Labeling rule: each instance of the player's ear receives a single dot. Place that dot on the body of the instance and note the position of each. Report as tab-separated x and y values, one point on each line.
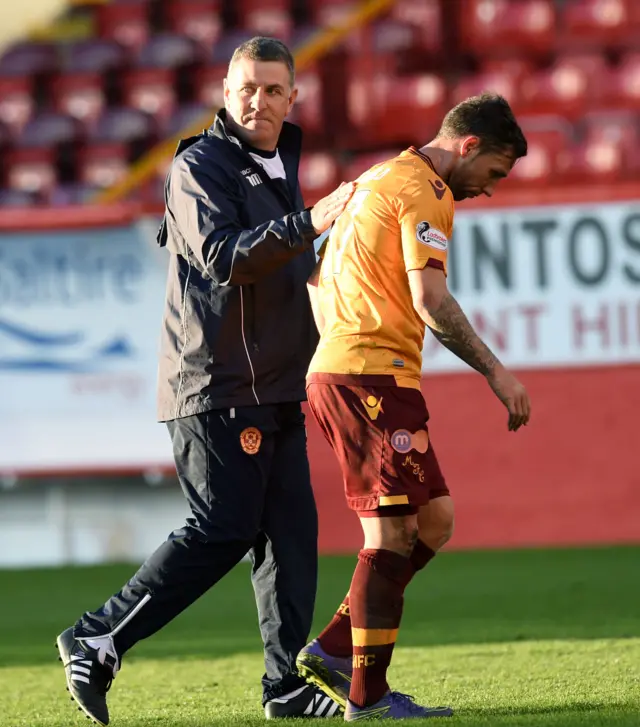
469	145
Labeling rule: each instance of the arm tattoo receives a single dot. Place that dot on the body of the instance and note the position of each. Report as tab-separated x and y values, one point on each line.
453	330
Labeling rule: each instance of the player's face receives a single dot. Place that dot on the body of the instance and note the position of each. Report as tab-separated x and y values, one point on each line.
477	172
258	96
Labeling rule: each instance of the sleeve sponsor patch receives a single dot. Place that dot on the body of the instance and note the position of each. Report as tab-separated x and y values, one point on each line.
431	236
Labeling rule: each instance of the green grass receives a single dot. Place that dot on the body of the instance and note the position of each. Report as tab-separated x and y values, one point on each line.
539	638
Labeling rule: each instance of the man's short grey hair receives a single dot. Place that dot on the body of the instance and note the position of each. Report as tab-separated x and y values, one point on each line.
266	49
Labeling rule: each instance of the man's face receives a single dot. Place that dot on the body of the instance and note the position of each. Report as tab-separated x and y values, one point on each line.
258	96
476	172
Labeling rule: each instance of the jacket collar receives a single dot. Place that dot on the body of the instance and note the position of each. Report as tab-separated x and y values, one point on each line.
290	139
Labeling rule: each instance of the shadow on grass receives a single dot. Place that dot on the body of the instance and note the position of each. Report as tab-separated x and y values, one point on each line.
463	597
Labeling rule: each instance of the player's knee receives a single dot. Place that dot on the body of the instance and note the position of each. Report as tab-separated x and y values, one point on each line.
446	531
436	524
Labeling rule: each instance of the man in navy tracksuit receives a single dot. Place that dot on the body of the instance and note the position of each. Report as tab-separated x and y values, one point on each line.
238	335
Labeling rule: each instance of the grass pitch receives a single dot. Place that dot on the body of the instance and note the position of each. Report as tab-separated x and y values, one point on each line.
540	638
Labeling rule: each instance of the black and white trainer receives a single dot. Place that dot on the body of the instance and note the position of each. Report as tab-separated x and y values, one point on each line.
308	701
90	665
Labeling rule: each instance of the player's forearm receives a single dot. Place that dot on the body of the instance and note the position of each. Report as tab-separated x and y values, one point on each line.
452	328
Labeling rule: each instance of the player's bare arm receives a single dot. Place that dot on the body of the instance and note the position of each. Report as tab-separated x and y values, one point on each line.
312	287
443	315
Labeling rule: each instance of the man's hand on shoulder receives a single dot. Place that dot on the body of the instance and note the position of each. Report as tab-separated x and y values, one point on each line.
327	209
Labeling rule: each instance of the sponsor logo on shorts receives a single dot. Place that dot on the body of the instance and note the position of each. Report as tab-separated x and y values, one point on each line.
250	440
431	236
372	406
404	441
415	468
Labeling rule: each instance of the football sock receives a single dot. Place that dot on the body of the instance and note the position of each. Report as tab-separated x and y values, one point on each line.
376	601
336	637
421	555
335	640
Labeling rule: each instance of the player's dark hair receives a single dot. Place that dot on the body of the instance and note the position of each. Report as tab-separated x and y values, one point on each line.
261	48
490	118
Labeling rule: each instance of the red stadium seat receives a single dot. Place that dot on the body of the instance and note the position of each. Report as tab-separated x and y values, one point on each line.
623	92
547	138
151	90
319	175
402	44
574	85
186	117
199	20
619	126
384	36
608	151
518	67
5	137
397	110
29	59
506	27
594	23
101	165
64	195
309	107
266	17
93	56
17	103
125	22
208	86
331	12
600	161
50	130
425	16
124	125
505	83
17	198
166	50
223	50
31	170
79	95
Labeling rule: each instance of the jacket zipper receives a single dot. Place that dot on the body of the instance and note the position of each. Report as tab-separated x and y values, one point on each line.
246	347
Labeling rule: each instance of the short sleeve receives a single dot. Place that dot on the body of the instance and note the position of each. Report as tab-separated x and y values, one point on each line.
425	215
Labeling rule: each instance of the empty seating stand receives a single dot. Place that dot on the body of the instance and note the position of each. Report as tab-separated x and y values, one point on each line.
75	114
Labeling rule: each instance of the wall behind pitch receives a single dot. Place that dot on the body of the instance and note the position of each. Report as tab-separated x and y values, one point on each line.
555	290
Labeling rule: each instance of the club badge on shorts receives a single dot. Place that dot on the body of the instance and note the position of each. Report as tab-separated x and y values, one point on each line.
404	441
250	440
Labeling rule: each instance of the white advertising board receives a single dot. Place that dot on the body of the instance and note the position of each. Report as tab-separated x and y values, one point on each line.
80	315
548	286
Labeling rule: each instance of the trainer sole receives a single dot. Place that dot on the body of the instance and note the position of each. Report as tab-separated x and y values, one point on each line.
63	656
319	677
